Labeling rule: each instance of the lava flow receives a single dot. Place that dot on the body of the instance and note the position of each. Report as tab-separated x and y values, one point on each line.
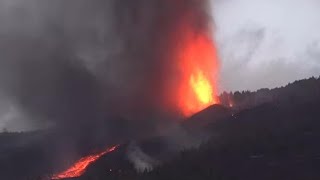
77	169
198	66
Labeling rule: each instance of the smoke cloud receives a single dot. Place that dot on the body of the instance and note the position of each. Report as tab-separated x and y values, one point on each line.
140	160
96	68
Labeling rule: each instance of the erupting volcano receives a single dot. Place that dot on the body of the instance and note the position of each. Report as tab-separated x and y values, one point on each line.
166	66
78	168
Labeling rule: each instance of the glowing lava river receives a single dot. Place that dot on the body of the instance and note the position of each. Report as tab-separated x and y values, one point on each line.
78	168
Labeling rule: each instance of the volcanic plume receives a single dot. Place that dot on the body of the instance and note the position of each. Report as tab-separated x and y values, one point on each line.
136	59
193	57
99	71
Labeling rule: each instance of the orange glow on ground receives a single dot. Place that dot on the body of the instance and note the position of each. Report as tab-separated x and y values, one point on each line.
78	168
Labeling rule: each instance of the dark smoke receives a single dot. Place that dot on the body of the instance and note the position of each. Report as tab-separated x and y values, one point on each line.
94	68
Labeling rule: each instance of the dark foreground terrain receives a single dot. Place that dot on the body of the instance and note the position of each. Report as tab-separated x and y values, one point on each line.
266	143
274	140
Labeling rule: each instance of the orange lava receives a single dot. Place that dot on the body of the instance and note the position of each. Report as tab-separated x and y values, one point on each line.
198	66
77	169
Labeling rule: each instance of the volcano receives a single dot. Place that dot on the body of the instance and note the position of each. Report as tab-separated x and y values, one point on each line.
268	138
155	147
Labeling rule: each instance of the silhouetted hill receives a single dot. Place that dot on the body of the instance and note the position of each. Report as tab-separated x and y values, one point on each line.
301	91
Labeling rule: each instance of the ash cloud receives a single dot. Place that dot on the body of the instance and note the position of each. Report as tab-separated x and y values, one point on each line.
96	68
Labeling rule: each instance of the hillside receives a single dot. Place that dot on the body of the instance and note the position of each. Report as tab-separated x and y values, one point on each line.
300	91
274	139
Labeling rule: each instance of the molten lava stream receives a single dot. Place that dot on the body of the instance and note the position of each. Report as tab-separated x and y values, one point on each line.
77	169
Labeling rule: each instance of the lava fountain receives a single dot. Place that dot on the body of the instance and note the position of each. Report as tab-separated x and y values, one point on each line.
198	65
198	68
78	168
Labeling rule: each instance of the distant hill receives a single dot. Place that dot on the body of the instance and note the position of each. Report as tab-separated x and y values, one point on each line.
301	91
